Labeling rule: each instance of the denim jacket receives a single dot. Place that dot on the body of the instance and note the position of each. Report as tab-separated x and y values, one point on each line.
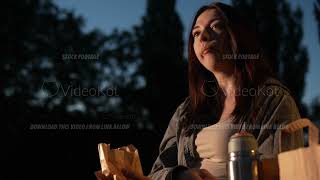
274	107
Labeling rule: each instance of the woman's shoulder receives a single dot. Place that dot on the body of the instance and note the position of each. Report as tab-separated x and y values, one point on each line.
183	108
274	96
272	87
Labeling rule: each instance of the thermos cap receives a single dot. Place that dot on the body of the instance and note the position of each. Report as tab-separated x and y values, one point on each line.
242	141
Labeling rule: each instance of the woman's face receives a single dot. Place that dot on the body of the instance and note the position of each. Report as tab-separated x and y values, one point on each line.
210	39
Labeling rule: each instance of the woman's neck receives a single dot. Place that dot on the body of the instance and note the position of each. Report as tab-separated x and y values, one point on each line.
228	82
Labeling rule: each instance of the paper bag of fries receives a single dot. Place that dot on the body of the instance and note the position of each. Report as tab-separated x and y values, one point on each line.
113	161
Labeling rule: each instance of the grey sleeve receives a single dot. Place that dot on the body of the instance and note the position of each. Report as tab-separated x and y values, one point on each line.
283	111
167	160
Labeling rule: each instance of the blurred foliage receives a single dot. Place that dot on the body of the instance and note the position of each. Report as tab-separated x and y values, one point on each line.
281	32
315	109
43	42
54	72
161	50
317	15
315	106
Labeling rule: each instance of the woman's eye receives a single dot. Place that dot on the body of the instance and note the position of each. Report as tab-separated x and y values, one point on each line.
215	26
196	34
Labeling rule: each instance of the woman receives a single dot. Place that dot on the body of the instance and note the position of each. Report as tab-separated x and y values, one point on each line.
229	86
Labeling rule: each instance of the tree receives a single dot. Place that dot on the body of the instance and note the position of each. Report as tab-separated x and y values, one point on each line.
49	58
47	61
315	109
315	106
317	14
163	67
280	31
40	39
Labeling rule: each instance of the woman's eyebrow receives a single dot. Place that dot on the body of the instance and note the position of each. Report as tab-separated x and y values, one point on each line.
214	19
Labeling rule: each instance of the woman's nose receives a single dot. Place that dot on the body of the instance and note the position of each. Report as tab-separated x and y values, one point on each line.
208	35
205	35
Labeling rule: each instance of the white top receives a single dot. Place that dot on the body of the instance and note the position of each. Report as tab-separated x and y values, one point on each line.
212	147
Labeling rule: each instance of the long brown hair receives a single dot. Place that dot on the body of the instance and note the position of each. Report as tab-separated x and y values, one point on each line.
206	108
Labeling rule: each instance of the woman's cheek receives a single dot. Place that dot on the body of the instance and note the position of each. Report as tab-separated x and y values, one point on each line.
224	44
197	51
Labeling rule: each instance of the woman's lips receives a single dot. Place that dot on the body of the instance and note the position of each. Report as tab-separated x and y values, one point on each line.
206	51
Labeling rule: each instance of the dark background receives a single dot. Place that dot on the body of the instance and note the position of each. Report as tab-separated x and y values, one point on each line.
142	72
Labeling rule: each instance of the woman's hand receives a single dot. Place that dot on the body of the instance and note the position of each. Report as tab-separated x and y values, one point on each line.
128	174
133	176
195	174
101	176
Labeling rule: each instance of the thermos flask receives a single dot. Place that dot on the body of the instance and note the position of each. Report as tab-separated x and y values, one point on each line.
244	163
